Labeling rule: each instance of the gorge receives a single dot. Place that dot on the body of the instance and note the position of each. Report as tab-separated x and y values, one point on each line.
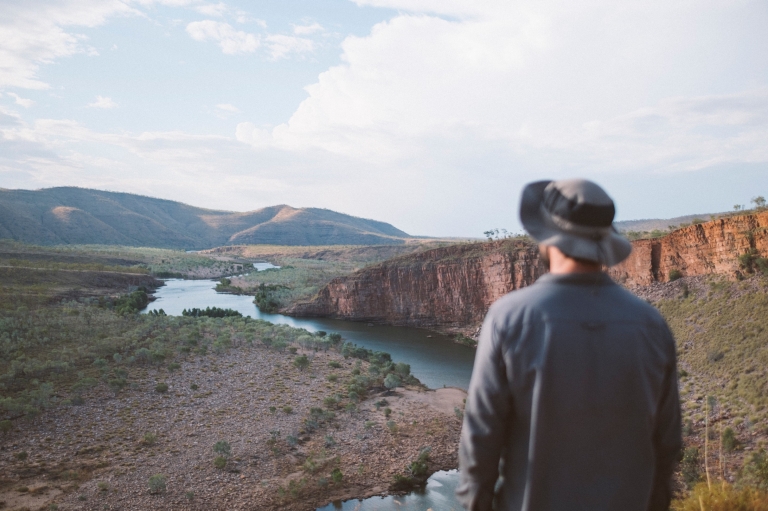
451	288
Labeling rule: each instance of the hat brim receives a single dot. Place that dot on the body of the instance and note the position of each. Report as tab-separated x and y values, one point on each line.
610	249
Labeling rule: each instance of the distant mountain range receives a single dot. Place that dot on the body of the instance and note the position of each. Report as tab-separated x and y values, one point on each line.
69	215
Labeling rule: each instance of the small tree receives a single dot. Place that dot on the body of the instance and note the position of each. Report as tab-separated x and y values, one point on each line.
759	202
391	381
301	362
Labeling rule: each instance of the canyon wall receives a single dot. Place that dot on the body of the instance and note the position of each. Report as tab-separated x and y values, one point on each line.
708	248
451	288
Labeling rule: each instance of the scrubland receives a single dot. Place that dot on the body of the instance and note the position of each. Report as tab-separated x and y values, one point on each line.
101	407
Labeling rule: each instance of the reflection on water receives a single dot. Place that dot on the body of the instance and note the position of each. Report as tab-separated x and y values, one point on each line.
435	360
438	496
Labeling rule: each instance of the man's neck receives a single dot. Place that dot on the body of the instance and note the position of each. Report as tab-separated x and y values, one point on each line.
560	263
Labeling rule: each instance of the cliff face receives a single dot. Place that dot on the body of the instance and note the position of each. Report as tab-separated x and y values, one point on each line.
450	287
453	287
708	248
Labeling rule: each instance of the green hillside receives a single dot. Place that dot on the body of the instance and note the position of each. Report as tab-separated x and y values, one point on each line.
71	215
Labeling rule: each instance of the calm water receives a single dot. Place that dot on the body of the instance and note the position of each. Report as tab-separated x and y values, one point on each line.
434	359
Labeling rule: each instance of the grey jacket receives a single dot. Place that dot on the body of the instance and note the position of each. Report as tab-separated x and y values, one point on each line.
574	390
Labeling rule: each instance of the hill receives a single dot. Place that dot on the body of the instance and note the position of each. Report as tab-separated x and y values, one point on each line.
69	215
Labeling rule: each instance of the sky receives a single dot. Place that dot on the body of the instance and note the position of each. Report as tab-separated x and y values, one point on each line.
428	114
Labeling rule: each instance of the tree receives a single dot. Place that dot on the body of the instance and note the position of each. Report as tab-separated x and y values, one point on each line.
391	381
759	202
301	362
737	207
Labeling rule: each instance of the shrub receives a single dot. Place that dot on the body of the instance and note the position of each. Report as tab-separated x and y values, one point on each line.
755	471
418	467
722	497
21	456
301	362
333	377
330	402
161	388
674	274
288	409
334	364
387	412
689	466
392	426
149	439
369	424
458	412
336	475
403	370
173	366
219	462
391	381
194	386
730	442
157	484
329	441
102	486
6	426
190	495
222	447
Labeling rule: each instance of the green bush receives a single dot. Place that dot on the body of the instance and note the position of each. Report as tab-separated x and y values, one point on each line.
157	483
754	473
336	475
689	466
675	274
222	447
301	362
730	442
161	387
219	462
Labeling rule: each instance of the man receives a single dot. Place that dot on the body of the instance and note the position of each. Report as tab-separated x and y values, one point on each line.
573	400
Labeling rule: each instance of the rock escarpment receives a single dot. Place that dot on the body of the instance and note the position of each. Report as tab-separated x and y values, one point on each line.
708	248
451	288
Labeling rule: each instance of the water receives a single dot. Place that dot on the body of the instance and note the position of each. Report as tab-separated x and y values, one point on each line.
435	360
437	495
264	266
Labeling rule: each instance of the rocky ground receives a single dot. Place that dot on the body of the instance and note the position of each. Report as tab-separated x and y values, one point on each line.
102	453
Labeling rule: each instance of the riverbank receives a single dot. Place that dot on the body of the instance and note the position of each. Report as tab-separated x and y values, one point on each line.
297	440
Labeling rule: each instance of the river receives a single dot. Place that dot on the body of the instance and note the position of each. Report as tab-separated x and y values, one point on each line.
435	360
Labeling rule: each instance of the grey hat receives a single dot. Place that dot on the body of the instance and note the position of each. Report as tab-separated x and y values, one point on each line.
576	216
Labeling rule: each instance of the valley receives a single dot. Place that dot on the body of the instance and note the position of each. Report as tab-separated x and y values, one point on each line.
99	401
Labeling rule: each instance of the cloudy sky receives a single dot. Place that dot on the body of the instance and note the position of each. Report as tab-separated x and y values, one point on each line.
429	114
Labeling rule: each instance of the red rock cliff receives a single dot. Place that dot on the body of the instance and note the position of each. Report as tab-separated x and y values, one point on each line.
708	248
452	287
448	287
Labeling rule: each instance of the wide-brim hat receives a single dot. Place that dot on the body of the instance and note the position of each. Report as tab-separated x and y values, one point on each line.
576	216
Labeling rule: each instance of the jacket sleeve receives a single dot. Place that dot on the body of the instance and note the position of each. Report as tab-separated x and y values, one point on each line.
485	416
667	439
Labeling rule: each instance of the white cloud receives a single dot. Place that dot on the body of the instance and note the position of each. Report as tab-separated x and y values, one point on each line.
230	40
228	107
281	45
218	9
26	103
103	102
34	34
307	29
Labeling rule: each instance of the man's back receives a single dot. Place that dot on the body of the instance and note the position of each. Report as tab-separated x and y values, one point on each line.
575	387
